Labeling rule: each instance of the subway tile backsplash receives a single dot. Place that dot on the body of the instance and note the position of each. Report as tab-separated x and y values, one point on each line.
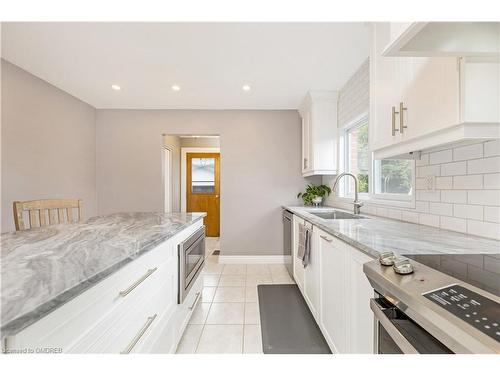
466	193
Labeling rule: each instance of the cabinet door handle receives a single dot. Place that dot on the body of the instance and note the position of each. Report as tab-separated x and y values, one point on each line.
195	301
139	334
394	113
326	238
305	163
402	108
123	293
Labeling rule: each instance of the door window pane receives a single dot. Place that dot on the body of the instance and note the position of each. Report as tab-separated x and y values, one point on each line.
203	175
393	177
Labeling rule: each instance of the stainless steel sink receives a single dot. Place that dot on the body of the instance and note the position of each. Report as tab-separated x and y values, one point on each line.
335	215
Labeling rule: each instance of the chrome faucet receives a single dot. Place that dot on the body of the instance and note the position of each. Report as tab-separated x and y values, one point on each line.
356	202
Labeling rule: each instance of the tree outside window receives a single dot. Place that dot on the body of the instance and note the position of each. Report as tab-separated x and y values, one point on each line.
391	177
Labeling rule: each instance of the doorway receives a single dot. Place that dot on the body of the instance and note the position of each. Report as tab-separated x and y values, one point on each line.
167	178
203	188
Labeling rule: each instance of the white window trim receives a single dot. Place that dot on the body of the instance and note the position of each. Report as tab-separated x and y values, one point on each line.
370	198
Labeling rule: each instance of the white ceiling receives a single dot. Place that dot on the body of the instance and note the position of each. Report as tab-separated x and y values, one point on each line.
209	61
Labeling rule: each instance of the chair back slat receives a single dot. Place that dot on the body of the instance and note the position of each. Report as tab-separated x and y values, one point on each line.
53	219
43	217
33	221
45	212
61	215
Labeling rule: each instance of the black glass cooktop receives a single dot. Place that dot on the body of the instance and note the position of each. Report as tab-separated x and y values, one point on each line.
480	312
480	270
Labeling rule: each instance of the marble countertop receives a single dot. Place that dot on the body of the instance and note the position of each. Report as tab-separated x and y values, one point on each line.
374	235
43	268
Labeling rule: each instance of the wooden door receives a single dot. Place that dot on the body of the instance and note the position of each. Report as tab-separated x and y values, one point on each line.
203	188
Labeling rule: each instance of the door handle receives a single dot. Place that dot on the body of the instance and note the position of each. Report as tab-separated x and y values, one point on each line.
216	196
139	334
402	126
125	292
394	113
401	341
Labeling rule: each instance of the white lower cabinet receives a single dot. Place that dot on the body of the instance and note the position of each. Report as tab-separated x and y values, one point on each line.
333	288
134	310
338	294
298	268
360	316
311	278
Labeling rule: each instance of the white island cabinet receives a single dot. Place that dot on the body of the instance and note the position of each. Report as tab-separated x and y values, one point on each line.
134	310
337	292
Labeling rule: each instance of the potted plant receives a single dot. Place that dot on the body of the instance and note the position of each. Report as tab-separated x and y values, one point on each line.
314	194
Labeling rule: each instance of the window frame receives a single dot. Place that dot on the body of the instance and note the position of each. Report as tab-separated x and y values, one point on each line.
344	150
371	197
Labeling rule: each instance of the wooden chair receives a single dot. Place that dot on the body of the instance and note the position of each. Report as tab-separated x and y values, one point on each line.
43	212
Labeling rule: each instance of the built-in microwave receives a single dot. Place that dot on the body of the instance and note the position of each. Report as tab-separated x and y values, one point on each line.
191	261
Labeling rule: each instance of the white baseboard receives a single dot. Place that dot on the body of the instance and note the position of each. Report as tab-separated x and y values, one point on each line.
255	259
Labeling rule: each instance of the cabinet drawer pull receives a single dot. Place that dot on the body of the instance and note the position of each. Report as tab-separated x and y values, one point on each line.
394	113
402	108
123	293
195	301
139	334
326	238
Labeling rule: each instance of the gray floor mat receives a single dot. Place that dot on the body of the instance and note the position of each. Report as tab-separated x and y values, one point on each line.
287	325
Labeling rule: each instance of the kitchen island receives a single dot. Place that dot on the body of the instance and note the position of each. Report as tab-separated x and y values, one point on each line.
60	282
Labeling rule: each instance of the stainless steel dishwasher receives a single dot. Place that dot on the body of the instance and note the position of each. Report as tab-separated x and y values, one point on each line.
287	241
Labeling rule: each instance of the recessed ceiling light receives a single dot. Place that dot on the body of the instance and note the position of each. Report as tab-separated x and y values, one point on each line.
246	88
176	87
116	87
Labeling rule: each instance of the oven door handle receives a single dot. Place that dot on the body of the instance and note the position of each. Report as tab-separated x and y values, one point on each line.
393	332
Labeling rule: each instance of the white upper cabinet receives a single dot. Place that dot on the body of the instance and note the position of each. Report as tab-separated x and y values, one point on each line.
417	103
444	39
386	80
319	133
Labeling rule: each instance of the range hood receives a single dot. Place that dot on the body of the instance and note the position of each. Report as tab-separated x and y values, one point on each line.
446	39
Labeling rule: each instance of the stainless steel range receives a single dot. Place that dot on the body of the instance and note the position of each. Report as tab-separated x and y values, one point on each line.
431	308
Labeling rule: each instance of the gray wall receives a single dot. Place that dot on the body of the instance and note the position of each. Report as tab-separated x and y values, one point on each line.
260	168
200	142
48	143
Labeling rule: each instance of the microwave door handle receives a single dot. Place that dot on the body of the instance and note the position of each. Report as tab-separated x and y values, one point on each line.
398	338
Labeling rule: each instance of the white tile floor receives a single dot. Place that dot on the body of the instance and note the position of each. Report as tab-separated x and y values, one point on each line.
227	319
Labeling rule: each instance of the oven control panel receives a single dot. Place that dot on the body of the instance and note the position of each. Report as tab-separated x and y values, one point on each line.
475	309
